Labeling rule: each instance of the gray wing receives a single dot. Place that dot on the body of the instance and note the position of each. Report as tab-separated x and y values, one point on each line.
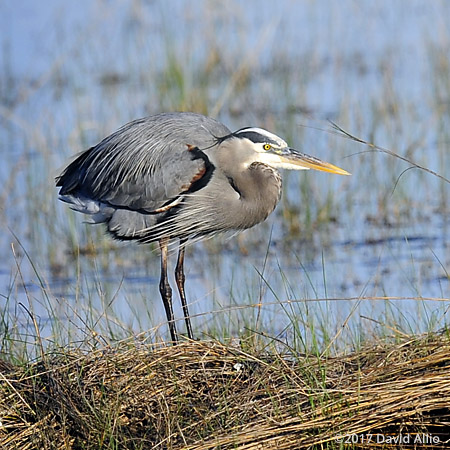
146	164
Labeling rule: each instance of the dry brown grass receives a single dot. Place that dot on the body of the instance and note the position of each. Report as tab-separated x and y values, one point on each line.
207	395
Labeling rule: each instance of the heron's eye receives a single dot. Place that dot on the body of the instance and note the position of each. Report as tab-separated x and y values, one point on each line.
267	146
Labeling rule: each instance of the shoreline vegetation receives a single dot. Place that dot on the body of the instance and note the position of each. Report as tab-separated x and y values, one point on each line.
240	395
353	281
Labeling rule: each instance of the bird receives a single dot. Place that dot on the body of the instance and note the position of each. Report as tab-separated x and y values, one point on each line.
180	177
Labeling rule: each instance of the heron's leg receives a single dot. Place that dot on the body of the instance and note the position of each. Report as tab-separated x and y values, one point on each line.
166	291
180	278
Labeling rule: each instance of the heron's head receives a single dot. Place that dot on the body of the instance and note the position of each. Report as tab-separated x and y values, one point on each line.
274	151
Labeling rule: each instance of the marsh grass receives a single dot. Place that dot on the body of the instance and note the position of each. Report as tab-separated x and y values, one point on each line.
286	360
255	393
76	375
69	107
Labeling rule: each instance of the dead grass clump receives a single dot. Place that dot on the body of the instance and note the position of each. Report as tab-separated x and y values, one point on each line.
207	395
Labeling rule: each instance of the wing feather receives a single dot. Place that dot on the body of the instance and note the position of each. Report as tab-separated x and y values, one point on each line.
146	164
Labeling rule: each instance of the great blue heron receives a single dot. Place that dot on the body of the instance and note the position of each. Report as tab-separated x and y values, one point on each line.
180	176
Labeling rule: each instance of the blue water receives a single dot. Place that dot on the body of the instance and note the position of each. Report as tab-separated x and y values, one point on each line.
75	71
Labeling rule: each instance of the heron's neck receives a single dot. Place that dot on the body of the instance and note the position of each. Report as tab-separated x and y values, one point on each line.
258	186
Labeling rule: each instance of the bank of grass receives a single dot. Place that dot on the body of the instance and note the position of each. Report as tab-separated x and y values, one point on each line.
209	394
256	394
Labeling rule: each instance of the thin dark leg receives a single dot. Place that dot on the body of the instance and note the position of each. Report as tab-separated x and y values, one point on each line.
180	278
166	291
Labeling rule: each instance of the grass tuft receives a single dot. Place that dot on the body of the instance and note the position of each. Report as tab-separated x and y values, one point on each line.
210	395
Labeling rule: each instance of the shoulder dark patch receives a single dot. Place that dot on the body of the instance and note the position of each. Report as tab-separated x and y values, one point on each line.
203	177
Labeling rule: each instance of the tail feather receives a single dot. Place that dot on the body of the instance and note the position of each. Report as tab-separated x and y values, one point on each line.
98	211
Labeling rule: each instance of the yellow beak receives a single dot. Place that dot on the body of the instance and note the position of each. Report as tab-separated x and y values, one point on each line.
305	161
